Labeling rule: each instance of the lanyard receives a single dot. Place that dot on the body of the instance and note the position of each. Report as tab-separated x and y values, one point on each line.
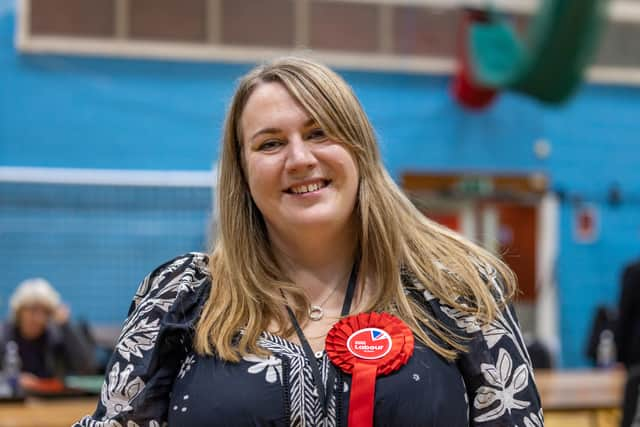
315	366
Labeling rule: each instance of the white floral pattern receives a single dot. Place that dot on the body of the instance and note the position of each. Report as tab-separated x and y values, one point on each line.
502	388
113	423
504	391
134	341
428	295
492	332
90	422
118	391
272	365
155	296
534	419
186	365
464	321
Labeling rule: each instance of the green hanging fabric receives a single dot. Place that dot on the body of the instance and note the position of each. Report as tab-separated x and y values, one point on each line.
497	55
549	64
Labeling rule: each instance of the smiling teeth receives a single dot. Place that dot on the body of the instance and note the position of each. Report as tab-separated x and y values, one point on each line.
301	189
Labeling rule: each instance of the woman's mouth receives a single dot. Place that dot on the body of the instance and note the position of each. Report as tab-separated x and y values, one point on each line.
309	187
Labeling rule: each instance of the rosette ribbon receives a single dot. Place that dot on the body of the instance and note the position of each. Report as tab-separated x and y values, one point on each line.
366	346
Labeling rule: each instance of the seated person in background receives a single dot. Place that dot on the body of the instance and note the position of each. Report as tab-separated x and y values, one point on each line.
49	346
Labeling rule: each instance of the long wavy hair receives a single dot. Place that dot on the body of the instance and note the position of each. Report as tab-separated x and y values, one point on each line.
247	283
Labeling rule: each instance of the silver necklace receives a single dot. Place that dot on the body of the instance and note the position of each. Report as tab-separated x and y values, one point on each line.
316	312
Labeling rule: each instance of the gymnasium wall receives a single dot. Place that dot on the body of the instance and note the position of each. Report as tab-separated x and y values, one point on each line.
95	242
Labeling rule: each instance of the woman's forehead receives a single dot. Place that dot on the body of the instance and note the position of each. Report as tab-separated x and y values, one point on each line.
35	305
268	105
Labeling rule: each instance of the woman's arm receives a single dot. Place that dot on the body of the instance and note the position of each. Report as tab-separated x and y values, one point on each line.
499	376
154	340
496	369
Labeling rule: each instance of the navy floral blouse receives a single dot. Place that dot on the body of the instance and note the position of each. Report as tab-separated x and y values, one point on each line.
156	379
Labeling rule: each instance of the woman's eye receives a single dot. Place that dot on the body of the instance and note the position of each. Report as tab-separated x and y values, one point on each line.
269	145
317	135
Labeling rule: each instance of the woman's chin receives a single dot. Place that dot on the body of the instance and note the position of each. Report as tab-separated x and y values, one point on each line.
318	219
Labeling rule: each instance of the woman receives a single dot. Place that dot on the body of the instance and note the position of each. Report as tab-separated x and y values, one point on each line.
48	344
312	229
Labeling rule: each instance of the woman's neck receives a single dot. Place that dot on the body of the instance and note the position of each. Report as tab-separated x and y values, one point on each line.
316	264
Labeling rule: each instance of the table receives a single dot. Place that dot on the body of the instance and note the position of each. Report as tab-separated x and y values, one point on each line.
46	413
585	397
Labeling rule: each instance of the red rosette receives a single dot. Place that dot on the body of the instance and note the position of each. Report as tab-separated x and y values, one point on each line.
366	346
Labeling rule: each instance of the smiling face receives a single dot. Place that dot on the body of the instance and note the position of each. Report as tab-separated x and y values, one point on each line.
297	176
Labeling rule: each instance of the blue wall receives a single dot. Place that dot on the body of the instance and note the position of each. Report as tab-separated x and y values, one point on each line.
107	113
95	243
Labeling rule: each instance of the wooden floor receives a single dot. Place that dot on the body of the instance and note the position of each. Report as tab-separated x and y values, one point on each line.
45	413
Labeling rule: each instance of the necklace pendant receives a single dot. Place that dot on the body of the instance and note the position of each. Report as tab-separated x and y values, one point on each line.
316	312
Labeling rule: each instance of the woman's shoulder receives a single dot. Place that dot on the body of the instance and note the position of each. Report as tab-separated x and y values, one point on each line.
153	342
486	271
189	270
460	310
183	280
170	298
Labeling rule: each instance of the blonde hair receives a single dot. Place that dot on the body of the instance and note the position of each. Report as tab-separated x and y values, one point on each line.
392	235
36	291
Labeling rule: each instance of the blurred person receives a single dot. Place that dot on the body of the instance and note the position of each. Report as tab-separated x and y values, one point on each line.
627	335
48	344
314	238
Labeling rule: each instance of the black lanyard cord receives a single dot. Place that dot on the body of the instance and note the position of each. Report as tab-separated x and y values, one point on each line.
315	366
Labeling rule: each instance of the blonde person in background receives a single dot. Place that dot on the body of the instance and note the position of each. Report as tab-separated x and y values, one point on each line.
48	344
313	229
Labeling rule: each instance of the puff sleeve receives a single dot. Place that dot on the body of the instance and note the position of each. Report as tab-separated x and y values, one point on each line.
154	340
496	369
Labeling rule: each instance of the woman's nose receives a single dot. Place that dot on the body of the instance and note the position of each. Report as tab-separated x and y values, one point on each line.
300	155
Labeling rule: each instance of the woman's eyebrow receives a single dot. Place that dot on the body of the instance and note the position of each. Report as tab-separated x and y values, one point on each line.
269	131
310	122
